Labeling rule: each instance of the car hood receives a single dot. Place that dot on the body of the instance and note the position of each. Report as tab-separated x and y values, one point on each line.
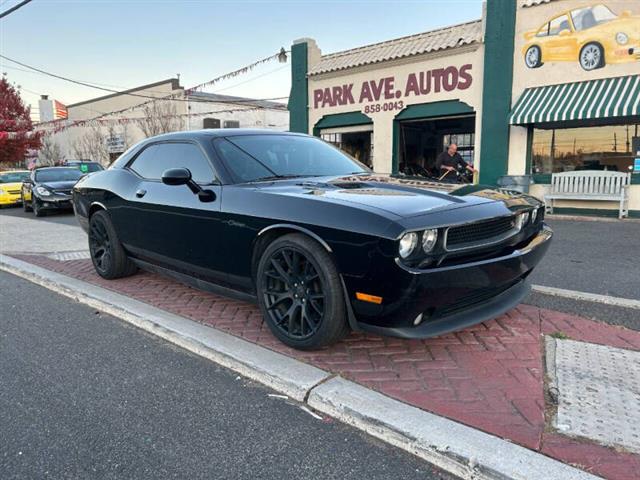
11	186
65	185
399	197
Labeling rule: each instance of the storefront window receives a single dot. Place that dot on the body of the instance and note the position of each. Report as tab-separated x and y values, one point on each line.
588	148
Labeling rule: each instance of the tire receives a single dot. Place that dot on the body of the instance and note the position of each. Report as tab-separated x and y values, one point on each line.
25	206
37	209
107	254
300	293
591	56
533	57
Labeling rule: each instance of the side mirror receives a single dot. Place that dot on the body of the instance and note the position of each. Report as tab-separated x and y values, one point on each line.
176	176
182	176
565	33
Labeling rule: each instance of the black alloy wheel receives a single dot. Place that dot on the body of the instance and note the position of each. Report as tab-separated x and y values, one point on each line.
107	254
300	293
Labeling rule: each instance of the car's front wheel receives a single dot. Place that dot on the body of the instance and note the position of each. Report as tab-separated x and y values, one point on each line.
300	293
533	57
38	211
107	254
592	56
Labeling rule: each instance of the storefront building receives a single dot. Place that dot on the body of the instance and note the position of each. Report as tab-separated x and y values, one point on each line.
535	87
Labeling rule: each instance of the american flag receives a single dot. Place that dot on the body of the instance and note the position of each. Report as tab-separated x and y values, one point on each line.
60	110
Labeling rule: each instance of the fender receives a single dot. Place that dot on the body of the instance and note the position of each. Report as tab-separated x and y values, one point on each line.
300	229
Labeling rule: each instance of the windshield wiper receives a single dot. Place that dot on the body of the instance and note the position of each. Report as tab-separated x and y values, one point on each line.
278	177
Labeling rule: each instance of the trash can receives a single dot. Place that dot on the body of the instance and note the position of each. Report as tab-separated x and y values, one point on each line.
519	183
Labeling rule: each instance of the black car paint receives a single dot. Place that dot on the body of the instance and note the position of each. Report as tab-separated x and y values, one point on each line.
61	192
358	219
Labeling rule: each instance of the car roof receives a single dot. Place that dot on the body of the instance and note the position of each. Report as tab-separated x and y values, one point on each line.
219	132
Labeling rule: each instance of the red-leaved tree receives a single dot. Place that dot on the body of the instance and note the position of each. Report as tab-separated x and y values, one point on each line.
16	130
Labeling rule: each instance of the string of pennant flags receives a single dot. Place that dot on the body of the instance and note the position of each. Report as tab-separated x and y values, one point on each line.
58	125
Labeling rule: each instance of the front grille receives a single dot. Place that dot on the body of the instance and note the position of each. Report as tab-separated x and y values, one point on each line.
480	233
14	192
63	191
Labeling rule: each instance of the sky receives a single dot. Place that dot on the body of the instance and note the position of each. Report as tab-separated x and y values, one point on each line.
126	43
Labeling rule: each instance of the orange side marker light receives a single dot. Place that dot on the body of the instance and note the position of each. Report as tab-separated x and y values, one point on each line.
365	297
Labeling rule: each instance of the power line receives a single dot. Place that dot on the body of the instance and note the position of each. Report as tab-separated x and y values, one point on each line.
14	8
168	97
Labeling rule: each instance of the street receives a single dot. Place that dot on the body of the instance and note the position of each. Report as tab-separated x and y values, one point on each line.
86	396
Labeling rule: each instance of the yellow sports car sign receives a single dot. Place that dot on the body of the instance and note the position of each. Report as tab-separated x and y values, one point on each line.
592	35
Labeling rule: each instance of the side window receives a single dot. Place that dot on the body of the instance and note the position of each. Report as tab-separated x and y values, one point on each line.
243	167
544	31
157	158
559	24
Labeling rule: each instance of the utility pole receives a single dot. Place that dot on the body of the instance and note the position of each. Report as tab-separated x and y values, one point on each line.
615	142
553	144
628	146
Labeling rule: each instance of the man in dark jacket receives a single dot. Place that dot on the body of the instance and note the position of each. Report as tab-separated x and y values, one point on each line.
450	160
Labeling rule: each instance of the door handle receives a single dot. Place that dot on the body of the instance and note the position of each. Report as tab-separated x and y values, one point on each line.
141	193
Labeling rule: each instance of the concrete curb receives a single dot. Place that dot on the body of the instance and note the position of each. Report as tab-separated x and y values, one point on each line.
456	448
588	297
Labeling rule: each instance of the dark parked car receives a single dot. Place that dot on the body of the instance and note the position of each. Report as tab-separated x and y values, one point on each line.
320	242
49	188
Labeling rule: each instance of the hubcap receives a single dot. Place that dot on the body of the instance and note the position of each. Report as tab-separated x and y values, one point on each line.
591	57
293	293
99	245
532	57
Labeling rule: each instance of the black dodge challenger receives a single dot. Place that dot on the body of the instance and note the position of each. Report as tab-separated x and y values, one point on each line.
319	241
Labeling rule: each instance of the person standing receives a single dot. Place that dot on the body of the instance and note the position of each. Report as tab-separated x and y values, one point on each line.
450	160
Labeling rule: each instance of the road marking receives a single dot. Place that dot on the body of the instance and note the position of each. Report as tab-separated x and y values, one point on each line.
589	297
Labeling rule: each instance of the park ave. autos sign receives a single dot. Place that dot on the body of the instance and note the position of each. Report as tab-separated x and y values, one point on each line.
386	94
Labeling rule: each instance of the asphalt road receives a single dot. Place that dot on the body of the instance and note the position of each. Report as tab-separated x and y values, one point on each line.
63	217
83	395
593	256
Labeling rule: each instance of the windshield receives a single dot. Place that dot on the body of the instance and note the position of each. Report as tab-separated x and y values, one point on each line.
13	177
86	167
58	174
256	157
588	17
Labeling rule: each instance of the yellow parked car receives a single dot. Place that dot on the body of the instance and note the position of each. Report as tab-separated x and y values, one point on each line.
10	185
593	36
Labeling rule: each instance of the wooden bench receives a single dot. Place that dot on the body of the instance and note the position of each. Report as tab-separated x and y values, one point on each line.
590	185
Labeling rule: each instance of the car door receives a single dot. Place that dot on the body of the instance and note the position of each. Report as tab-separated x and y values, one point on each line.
561	41
177	229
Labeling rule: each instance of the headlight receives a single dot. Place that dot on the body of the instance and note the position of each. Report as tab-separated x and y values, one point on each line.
408	244
521	220
534	215
429	239
622	38
43	191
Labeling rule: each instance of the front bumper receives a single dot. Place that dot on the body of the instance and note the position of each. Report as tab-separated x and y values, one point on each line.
455	297
10	199
55	202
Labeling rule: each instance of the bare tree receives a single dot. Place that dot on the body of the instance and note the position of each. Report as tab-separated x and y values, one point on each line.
50	152
159	117
91	145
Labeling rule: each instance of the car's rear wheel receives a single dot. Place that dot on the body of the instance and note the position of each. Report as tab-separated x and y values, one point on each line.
107	254
533	57
300	293
592	56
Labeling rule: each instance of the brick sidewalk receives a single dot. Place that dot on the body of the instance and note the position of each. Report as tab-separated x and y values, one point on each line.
489	376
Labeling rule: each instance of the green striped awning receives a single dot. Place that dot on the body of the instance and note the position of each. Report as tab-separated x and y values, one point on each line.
603	98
